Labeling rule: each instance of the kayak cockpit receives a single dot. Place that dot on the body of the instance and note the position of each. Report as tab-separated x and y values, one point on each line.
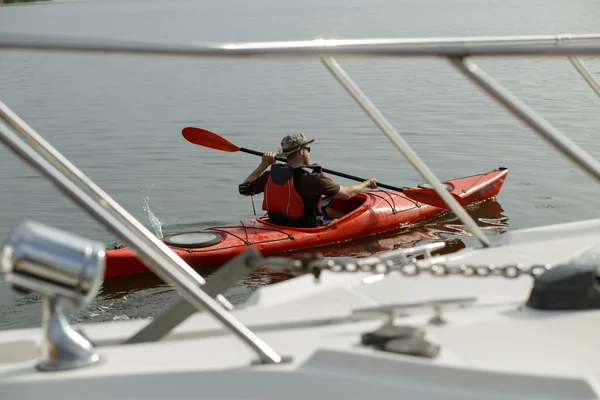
345	207
338	210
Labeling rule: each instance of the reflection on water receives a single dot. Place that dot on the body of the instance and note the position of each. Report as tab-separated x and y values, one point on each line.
449	229
145	295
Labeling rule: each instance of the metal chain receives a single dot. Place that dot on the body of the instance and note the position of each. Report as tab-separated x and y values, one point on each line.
412	268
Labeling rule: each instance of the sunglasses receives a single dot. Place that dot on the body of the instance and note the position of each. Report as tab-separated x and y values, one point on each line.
307	148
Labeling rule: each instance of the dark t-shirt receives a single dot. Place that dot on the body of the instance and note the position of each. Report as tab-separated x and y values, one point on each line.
309	185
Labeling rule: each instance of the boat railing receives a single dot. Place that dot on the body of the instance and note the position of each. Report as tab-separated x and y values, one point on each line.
31	147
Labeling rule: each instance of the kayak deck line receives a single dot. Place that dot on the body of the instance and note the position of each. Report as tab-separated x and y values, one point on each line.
245	241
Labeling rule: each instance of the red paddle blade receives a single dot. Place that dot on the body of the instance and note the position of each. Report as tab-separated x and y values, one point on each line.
430	196
205	138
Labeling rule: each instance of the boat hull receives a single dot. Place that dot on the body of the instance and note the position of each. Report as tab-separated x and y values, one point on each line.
372	212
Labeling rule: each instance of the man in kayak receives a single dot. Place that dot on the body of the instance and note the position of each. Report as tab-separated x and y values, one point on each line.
293	193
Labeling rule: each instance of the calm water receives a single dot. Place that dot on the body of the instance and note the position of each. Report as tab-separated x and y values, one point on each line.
119	118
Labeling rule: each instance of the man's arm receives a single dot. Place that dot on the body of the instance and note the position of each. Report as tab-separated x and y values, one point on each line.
267	159
348	192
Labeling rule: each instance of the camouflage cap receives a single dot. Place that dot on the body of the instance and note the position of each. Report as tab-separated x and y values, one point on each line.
292	143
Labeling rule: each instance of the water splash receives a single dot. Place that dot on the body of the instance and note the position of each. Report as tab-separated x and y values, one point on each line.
154	221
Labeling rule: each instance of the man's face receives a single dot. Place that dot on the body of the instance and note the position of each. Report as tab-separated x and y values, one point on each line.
306	155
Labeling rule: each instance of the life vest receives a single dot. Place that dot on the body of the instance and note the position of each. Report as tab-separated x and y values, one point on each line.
280	195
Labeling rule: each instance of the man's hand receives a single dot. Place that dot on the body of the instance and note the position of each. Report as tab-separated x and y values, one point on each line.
348	192
371	183
268	158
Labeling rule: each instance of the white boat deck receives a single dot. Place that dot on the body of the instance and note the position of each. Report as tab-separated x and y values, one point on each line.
551	244
493	348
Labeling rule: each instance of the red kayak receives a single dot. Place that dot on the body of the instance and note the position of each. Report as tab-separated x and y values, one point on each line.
368	213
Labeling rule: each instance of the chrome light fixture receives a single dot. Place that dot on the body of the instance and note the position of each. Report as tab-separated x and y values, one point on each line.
64	268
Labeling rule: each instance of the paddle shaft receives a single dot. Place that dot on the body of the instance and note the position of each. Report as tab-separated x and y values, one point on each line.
341	174
203	137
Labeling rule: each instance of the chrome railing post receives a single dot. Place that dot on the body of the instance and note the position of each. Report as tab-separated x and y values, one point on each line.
544	128
586	74
97	195
73	183
396	139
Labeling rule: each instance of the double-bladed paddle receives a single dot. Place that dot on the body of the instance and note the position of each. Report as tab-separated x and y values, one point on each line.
206	138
